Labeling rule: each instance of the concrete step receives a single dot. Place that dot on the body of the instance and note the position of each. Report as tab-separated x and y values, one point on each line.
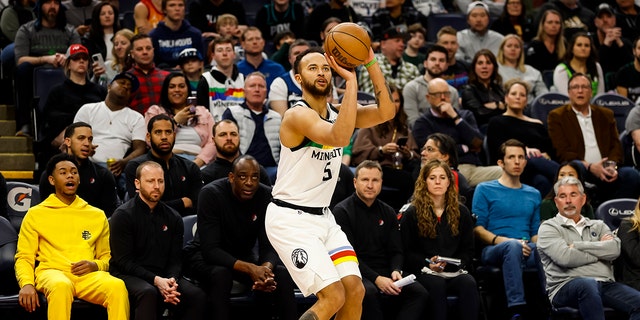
17	162
7	112
9	144
26	176
7	128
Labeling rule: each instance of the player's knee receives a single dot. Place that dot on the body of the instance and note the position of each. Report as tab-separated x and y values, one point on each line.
332	295
354	290
60	286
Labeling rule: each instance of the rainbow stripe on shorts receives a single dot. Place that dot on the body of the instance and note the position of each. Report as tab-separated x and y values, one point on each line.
343	254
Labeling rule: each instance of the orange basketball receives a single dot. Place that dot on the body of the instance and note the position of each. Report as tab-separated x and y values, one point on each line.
349	44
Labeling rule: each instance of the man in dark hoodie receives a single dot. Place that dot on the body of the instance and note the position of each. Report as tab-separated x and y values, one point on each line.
575	16
174	34
41	42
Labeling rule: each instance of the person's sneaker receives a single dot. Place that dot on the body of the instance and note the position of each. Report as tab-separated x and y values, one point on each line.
24	131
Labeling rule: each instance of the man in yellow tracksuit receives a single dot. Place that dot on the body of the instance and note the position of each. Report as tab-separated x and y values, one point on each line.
69	239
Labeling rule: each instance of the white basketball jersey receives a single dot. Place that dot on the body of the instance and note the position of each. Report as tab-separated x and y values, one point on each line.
308	173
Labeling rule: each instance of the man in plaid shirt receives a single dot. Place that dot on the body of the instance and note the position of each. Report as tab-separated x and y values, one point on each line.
396	71
148	75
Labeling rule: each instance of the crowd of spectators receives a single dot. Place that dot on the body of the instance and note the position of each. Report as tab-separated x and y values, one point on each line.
193	89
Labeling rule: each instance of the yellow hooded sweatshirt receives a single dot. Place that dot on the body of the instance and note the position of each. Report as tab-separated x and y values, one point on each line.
56	234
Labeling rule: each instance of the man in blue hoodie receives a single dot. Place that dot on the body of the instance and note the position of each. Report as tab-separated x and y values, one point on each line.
174	34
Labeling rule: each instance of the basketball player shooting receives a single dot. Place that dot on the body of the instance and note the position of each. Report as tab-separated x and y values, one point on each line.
299	224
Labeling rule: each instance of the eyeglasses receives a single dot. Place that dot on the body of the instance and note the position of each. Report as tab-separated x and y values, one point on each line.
439	94
578	87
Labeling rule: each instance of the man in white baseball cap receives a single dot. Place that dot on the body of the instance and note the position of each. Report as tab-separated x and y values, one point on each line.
477	36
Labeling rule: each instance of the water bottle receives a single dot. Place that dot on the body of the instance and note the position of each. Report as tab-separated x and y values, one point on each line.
102	81
397	160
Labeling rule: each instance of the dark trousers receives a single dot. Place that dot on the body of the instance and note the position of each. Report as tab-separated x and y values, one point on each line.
218	281
24	93
147	302
462	286
409	305
591	296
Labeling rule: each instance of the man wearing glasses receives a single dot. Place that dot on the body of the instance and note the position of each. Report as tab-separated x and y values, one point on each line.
461	126
414	93
587	134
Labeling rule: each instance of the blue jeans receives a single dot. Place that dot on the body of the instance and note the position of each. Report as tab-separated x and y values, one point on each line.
508	256
590	297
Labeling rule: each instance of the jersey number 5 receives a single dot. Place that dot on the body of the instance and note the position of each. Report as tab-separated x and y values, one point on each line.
327	172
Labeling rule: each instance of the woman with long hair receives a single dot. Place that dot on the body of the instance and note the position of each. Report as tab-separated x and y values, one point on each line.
390	143
548	47
629	234
104	24
511	61
440	146
548	208
121	42
514	124
581	57
514	20
195	123
483	94
436	225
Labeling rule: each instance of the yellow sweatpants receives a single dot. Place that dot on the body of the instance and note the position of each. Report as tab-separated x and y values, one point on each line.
97	287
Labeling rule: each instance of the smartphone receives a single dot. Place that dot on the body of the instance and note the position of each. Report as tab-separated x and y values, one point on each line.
98	58
87	22
402	141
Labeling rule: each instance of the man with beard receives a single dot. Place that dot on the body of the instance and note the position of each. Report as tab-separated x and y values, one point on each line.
40	42
231	215
226	136
97	184
181	176
415	92
477	36
457	73
577	255
146	249
299	223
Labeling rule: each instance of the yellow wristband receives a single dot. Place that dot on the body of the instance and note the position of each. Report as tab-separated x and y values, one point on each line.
370	63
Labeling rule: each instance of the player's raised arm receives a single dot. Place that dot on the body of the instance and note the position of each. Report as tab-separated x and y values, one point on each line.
314	74
384	109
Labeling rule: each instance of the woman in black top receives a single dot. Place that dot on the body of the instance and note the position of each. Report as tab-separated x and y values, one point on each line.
540	170
104	24
483	95
548	47
436	225
514	20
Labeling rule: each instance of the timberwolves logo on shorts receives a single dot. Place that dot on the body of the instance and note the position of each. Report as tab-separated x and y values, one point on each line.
299	258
